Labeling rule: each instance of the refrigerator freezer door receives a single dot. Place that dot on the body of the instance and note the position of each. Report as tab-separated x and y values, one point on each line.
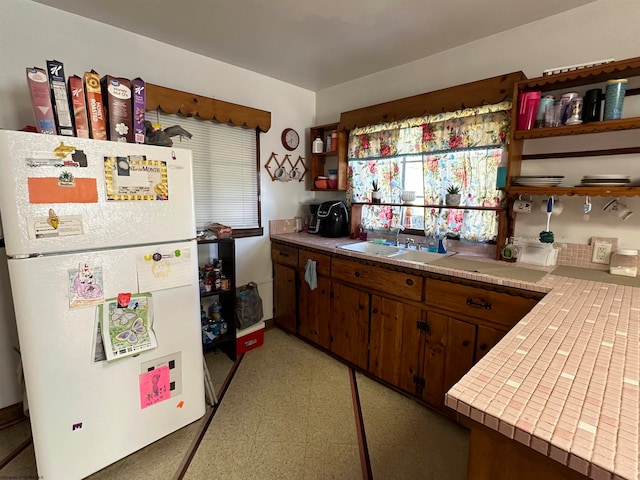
86	415
93	220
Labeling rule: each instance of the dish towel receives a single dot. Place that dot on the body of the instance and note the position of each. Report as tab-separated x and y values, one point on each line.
310	274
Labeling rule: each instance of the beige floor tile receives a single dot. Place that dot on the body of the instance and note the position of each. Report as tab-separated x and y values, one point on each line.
225	459
11	437
291	427
332	426
276	461
332	461
23	466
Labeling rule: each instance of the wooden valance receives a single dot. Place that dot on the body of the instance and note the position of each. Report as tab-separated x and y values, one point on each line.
468	95
188	104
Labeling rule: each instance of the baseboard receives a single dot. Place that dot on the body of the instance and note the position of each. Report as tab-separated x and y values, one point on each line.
11	414
269	324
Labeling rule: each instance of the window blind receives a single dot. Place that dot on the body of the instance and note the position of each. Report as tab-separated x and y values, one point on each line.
224	170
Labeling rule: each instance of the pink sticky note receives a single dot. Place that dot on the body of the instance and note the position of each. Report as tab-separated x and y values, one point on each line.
154	386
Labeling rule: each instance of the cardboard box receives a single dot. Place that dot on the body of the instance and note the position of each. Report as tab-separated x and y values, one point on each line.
116	95
59	98
78	107
95	108
249	338
139	99
41	100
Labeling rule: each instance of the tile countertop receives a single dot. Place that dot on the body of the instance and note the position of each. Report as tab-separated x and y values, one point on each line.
564	381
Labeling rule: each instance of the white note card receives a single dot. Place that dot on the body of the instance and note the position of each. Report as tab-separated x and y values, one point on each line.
164	268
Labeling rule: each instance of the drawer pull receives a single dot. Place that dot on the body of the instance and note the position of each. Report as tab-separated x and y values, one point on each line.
482	304
284	254
466	343
356	273
483	347
409	281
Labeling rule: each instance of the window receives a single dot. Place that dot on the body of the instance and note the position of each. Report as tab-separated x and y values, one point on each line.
225	172
428	155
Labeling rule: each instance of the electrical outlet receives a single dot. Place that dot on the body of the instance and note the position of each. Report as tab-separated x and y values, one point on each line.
601	252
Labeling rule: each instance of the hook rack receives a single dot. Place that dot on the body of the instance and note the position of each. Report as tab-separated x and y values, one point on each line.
283	173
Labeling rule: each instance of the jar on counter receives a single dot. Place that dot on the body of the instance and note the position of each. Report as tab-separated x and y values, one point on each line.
624	262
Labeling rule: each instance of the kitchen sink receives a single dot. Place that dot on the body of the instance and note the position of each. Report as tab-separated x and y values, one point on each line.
397	253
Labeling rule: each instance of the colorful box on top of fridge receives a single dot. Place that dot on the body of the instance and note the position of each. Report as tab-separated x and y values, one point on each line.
116	95
139	99
41	100
59	98
95	108
79	107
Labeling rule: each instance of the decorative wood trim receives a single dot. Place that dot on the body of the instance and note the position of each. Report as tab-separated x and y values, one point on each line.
482	92
188	104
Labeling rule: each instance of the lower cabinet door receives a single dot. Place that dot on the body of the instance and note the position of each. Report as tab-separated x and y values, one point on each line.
395	342
487	338
434	351
313	315
461	339
349	324
284	301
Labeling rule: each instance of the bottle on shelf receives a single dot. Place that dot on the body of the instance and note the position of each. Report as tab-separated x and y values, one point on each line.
317	146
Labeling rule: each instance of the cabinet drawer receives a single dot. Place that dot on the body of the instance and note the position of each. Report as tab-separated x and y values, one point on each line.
284	255
403	285
323	262
489	305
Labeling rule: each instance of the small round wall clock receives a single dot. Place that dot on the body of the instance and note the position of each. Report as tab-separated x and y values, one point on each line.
290	139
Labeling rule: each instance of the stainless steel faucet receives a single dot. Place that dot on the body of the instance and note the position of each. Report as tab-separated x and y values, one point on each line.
400	229
407	242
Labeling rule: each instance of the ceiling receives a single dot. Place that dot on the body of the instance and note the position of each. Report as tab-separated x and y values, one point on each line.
316	44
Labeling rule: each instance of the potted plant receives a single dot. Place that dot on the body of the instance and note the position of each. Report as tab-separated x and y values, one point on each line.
453	195
376	193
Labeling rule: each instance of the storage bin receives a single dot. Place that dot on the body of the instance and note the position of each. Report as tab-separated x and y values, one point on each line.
249	338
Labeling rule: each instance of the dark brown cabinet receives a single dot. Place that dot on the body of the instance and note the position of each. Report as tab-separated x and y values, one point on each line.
313	305
418	334
349	324
285	261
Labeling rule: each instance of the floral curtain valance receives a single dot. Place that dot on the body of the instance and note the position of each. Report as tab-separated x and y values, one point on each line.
472	127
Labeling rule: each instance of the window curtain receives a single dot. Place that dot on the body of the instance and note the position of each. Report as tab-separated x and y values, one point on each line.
460	148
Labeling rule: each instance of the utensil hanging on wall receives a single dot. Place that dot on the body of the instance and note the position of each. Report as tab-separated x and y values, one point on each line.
546	236
586	208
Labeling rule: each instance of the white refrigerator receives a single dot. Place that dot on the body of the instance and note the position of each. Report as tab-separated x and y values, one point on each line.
103	265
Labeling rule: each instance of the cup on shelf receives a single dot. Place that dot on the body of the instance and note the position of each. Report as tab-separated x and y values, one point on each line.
528	107
592	105
618	208
282	174
614	98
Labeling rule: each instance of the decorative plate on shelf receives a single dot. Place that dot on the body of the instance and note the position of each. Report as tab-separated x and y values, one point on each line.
538	181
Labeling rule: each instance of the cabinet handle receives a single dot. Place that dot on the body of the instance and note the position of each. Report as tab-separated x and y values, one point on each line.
466	343
356	273
409	281
482	304
375	310
483	347
284	254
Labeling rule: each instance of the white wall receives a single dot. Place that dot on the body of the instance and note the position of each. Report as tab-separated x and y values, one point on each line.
604	29
31	33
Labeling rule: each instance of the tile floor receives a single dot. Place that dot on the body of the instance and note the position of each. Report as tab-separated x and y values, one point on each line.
288	413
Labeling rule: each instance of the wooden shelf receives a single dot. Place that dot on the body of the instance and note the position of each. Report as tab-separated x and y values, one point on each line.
317	161
585	76
591	191
581	129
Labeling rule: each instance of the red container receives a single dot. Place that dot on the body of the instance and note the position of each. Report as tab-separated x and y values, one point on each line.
249	338
527	110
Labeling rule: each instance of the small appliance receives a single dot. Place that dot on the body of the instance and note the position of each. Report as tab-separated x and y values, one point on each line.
333	219
314	224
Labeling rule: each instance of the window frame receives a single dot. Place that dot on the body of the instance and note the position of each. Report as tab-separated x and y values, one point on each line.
172	101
